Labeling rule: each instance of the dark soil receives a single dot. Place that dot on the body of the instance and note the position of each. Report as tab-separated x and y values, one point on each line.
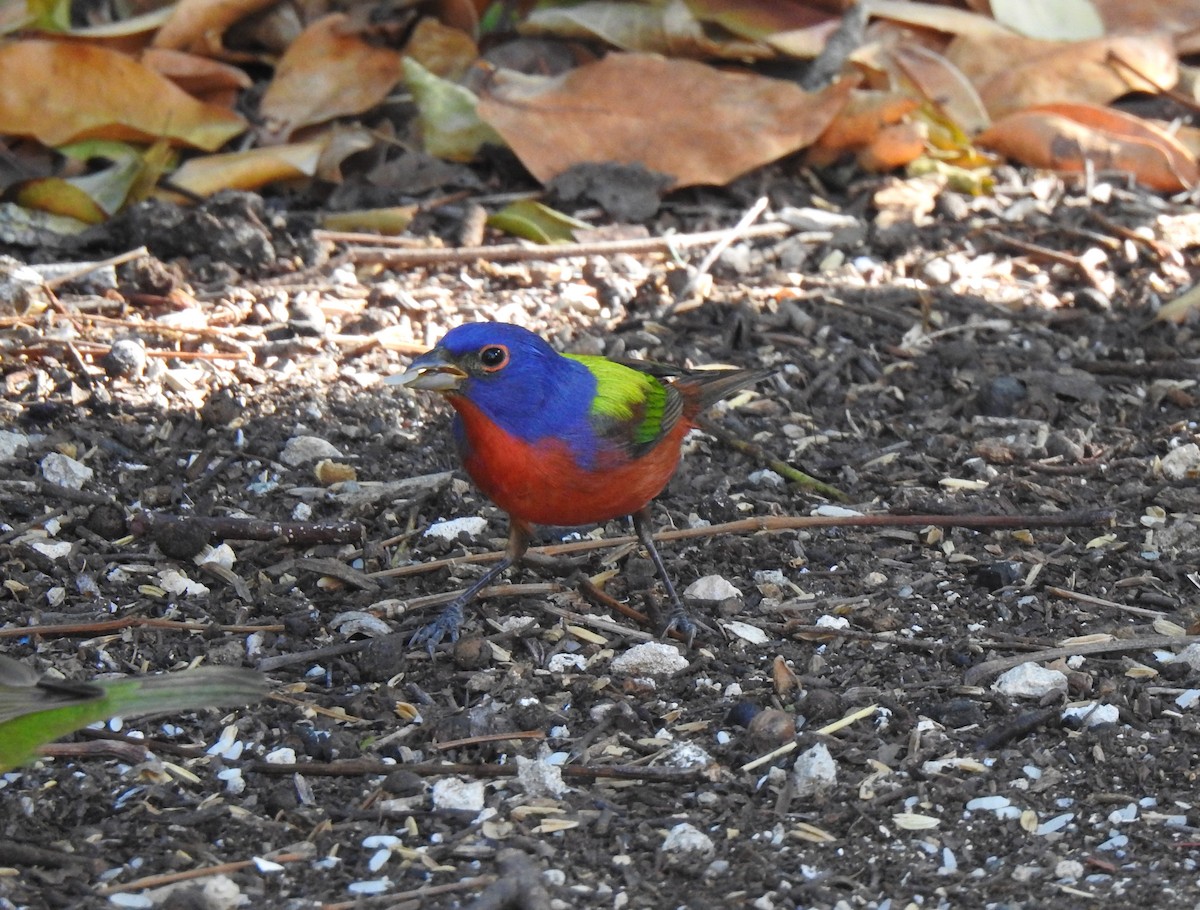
927	363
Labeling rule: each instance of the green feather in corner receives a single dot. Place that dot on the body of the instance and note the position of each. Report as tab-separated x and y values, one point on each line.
35	711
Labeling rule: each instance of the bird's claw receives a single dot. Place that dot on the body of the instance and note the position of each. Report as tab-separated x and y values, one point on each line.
445	626
681	622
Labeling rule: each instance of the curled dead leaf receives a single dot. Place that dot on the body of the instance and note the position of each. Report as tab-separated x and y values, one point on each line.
1066	137
62	92
329	71
696	123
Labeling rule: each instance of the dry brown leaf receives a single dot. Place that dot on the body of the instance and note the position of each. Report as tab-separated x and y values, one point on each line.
893	147
202	77
198	26
1066	136
858	123
249	170
1182	308
1015	73
678	117
64	92
1174	16
446	52
940	18
328	72
942	84
671	28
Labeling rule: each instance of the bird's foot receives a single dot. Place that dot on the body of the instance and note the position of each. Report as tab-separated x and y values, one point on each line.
446	625
681	622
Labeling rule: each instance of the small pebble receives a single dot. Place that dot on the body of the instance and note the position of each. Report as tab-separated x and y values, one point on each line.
126	359
814	772
651	658
456	793
472	526
1030	680
711	588
1182	463
64	471
687	838
302	449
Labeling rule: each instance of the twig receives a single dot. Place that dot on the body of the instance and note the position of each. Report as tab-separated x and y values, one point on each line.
980	673
776	523
488	738
824	632
604	625
728	237
515	252
827	730
1076	263
170	878
296	533
356	767
778	465
86	268
104	626
414	895
1101	602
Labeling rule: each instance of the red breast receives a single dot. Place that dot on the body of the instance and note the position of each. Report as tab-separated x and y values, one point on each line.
542	483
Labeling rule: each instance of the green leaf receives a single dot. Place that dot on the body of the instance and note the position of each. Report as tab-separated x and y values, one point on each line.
35	711
450	126
533	221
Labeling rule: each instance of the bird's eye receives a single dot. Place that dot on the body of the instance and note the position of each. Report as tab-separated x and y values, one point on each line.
494	357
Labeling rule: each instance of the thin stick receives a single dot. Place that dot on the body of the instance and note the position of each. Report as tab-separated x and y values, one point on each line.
104	626
403	898
86	268
157	881
1101	602
355	767
827	730
729	236
515	252
775	523
980	673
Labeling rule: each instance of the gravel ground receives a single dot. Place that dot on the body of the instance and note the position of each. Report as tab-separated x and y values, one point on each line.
934	354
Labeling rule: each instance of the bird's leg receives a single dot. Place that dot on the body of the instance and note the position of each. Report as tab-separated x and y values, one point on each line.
451	617
678	620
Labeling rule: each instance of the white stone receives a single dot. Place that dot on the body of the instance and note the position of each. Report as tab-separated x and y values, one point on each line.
66	472
1190	656
456	793
832	622
1182	462
1030	680
1068	870
449	530
746	632
814	772
711	588
52	549
687	838
541	777
1092	714
12	443
175	582
651	658
766	478
302	449
561	663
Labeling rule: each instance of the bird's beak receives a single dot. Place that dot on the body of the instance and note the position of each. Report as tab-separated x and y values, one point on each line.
431	372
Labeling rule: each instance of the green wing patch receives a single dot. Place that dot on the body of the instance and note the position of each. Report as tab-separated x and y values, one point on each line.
631	408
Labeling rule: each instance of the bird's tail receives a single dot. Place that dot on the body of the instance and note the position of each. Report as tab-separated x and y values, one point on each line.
701	390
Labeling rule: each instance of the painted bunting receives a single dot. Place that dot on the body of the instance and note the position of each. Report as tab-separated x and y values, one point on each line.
35	711
561	439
